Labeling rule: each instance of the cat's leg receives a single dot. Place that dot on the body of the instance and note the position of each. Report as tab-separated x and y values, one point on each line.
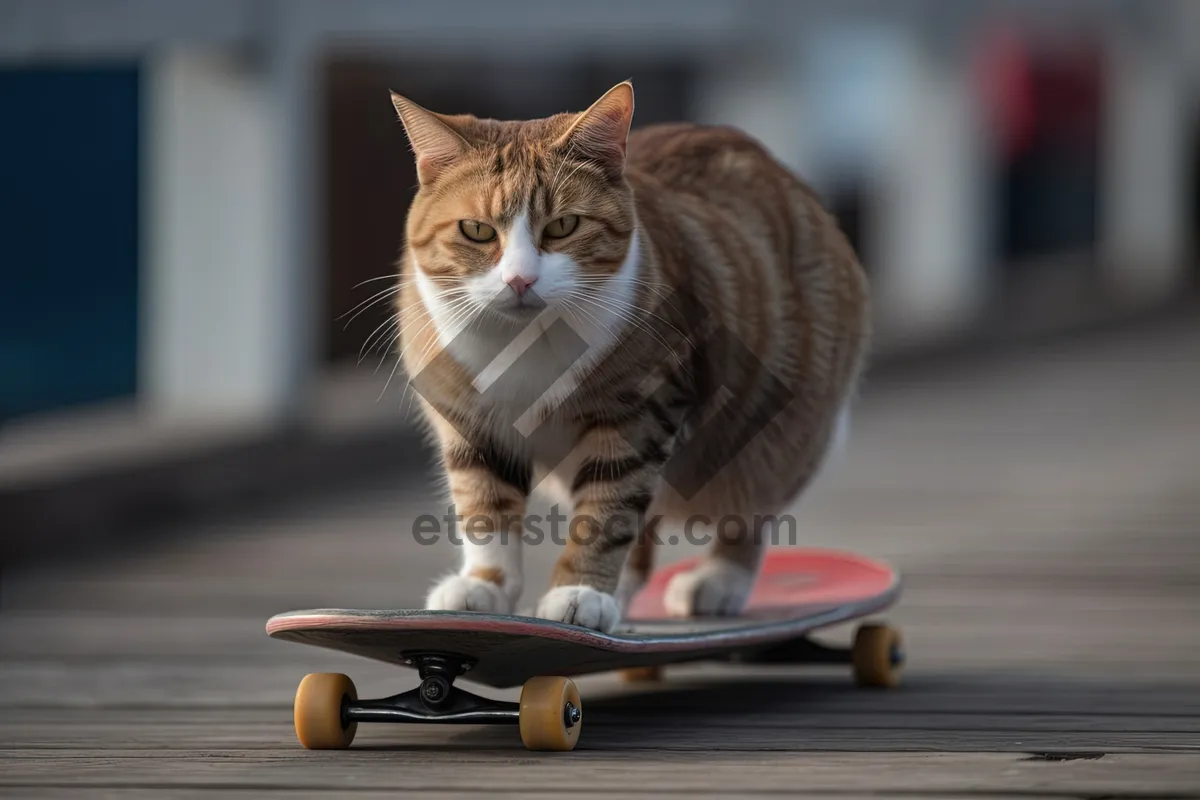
488	487
638	565
721	584
612	492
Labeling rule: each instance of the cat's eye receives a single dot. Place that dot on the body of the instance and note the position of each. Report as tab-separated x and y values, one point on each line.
477	231
562	227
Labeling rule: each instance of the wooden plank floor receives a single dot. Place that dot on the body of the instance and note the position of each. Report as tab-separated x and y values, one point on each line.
1045	509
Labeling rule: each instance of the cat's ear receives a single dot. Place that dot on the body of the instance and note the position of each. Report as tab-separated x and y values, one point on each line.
435	144
601	132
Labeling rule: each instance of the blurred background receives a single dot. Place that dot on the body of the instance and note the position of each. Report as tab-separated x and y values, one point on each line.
196	196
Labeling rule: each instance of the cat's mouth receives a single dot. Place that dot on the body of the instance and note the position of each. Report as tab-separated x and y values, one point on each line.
508	314
522	312
520	308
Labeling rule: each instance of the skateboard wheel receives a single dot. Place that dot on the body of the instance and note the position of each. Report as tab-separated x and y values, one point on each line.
318	711
878	656
551	714
642	674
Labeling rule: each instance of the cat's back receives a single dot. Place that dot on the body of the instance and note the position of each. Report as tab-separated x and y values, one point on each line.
751	242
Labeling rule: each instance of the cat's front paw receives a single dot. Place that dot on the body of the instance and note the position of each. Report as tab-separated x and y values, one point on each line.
580	605
715	588
465	593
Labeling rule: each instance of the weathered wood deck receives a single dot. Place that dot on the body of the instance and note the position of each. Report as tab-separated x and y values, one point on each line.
1045	509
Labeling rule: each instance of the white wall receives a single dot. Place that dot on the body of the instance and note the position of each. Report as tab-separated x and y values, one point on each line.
1147	170
215	289
933	238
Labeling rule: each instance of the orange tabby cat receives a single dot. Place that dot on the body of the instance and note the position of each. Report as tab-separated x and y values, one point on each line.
663	324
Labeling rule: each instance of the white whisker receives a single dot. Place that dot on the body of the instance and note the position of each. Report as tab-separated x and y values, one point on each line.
392	276
626	314
378	297
386	326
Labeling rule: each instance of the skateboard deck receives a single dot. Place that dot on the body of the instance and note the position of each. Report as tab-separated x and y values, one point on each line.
798	591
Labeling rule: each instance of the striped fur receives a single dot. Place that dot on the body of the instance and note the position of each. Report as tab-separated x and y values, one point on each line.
688	349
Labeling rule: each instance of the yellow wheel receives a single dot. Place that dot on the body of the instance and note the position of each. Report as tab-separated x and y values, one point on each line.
551	714
642	674
878	656
318	711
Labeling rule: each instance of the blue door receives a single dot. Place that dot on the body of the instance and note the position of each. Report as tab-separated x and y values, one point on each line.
68	236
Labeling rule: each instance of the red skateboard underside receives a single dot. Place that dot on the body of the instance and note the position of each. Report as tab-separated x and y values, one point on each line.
798	591
790	581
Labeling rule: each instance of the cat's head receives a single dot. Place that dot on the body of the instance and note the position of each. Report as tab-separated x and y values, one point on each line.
513	216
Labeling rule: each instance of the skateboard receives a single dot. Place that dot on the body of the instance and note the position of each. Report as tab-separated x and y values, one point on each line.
798	592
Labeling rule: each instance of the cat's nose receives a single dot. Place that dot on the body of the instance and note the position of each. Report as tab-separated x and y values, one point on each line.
521	284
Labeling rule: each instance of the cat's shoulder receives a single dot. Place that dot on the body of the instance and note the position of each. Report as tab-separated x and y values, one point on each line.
689	139
691	156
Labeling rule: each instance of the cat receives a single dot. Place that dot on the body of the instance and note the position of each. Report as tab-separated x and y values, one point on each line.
656	324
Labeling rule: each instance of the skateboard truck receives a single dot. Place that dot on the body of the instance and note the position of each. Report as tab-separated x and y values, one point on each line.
804	650
327	709
437	699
